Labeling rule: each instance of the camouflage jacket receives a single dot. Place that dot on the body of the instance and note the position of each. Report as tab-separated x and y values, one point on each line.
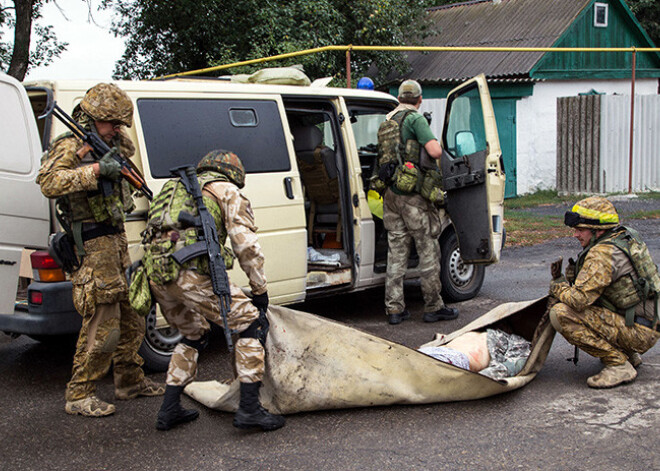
602	266
242	231
64	174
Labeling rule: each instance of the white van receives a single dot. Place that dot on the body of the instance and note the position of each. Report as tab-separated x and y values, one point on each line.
308	152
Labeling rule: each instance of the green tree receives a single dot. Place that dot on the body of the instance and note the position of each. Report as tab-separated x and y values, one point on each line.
647	13
170	36
15	56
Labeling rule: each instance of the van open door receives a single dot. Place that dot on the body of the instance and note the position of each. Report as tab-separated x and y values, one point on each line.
473	173
24	212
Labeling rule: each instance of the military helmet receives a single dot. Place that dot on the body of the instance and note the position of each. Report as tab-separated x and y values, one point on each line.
410	89
594	212
225	162
108	102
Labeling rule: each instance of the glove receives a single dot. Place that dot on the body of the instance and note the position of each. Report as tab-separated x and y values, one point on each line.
260	301
109	168
570	271
555	268
386	172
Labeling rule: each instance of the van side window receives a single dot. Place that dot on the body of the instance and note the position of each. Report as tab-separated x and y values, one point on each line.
181	131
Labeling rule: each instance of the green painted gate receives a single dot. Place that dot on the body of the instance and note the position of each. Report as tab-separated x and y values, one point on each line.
505	115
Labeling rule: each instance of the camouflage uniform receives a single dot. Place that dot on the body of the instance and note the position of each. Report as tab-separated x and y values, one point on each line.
597	330
406	218
111	331
411	217
604	279
188	302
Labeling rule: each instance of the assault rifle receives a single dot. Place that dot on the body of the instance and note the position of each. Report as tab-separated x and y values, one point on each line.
207	244
96	145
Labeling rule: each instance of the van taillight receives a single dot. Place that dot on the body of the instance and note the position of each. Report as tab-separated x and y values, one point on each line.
45	268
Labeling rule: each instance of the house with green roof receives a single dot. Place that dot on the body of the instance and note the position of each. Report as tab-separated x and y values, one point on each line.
525	86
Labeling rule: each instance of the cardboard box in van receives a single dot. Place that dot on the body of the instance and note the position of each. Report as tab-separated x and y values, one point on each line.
308	152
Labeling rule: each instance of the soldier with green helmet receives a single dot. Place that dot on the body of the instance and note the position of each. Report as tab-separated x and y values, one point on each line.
111	331
410	183
185	292
608	298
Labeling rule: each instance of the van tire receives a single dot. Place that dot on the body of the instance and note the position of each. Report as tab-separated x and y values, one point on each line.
460	281
158	344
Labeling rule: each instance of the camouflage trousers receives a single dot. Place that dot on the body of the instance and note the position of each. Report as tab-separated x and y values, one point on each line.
602	333
407	218
188	304
111	331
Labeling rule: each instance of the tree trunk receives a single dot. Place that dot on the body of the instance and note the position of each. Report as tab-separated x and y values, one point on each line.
21	54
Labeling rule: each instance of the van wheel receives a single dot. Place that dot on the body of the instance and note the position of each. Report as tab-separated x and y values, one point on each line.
460	281
158	344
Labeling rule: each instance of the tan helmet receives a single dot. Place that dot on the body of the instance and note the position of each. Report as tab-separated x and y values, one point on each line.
594	212
108	102
225	162
410	89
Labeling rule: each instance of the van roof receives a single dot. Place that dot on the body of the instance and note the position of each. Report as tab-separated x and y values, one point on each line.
206	85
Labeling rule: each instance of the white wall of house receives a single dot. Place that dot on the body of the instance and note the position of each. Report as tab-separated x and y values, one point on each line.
536	125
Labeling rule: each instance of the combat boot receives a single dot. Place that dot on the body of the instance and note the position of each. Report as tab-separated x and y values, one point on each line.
250	414
444	314
90	406
171	413
399	318
146	387
612	376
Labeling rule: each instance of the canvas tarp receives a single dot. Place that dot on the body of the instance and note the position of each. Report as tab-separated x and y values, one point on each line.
314	363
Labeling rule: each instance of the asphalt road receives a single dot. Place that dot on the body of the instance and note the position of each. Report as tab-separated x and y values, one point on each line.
555	422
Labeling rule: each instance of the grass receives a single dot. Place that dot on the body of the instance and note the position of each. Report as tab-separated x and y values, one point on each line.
524	228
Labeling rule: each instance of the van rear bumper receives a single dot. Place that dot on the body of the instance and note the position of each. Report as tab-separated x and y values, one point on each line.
54	316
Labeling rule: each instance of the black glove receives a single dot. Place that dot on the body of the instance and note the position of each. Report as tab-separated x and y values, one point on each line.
260	301
109	168
555	268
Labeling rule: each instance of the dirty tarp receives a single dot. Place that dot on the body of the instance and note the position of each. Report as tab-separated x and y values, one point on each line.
315	363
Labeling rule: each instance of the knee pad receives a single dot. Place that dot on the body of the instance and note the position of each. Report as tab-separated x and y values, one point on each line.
199	344
111	341
554	320
258	329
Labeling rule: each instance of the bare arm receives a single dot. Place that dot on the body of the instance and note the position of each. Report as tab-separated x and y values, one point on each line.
433	148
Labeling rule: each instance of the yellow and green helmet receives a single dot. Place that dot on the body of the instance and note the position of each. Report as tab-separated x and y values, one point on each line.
594	212
108	102
226	163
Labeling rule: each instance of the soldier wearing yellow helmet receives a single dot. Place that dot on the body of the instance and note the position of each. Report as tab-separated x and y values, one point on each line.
111	331
608	298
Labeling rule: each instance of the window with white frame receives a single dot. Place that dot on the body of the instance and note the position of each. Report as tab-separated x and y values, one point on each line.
600	14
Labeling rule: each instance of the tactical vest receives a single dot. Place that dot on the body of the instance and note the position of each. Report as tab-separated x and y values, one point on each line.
635	293
88	206
401	162
164	234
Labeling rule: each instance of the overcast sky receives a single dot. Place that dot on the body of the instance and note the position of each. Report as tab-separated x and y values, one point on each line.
92	50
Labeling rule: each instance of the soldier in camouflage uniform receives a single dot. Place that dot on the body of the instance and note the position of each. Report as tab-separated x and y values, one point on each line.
186	296
111	331
600	308
408	217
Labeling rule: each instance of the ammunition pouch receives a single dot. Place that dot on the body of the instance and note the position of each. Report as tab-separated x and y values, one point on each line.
432	187
139	291
61	248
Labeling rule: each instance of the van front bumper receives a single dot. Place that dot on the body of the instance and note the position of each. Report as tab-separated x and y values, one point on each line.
54	316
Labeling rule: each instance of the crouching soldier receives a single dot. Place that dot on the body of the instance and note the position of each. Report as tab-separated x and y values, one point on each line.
608	300
185	291
111	331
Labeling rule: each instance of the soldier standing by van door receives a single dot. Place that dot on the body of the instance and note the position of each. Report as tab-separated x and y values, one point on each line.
111	331
411	214
185	292
608	299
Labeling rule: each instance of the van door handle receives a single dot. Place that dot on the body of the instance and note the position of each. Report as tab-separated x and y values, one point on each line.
288	187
